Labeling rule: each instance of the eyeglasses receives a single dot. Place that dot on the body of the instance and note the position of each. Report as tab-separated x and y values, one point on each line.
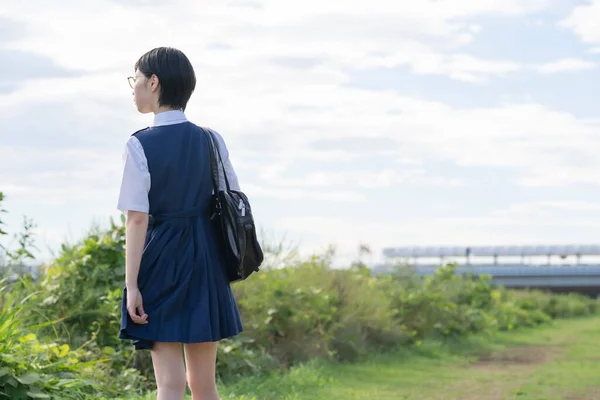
131	80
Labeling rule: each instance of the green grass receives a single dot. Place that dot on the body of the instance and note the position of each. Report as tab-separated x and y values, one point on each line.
557	362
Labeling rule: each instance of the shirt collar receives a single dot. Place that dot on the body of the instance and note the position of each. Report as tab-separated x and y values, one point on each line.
169	118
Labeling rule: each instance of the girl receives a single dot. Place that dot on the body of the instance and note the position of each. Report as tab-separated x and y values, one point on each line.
176	290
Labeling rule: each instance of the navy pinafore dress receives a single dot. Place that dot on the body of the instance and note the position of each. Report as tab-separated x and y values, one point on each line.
182	279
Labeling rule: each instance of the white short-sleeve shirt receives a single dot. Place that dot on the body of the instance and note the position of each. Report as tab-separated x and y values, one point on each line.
135	182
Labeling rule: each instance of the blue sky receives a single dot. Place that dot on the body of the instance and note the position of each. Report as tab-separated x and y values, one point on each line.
457	122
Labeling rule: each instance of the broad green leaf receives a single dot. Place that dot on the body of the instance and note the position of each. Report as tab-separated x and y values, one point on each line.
38	395
29	378
12	382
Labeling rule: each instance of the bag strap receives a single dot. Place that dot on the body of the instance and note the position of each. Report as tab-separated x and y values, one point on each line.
214	148
217	147
213	164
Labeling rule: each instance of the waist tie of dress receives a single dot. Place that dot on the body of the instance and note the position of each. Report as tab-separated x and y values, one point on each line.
190	213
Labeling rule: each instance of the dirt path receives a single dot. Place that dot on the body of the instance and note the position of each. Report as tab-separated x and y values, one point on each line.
503	372
561	362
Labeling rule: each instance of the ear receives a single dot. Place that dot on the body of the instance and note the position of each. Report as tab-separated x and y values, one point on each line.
154	83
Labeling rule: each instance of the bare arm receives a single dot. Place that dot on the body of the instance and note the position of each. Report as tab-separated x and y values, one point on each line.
135	237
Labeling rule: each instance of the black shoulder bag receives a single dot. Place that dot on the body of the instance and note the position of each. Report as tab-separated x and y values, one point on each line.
233	220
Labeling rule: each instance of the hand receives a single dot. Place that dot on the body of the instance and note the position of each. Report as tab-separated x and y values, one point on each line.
135	307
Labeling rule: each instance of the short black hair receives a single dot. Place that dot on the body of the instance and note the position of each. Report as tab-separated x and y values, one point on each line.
175	73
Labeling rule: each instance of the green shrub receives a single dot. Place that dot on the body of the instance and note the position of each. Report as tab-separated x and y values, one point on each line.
365	318
84	283
556	306
30	368
308	310
290	312
82	289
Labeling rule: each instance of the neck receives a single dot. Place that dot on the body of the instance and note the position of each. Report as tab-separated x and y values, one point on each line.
162	109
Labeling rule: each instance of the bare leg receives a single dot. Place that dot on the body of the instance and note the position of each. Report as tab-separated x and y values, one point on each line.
201	361
169	371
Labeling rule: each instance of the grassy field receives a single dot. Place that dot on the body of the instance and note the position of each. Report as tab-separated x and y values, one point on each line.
558	362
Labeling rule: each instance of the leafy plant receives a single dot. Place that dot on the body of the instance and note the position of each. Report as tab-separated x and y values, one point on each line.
31	369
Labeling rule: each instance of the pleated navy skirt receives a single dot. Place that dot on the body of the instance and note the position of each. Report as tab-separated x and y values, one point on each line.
185	292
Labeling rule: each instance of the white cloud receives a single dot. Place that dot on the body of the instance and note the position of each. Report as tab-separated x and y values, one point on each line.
462	67
574	210
566	65
583	21
561	175
59	176
270	192
575	205
337	35
387	178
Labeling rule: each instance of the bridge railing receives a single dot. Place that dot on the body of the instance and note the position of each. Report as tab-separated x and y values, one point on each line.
442	252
